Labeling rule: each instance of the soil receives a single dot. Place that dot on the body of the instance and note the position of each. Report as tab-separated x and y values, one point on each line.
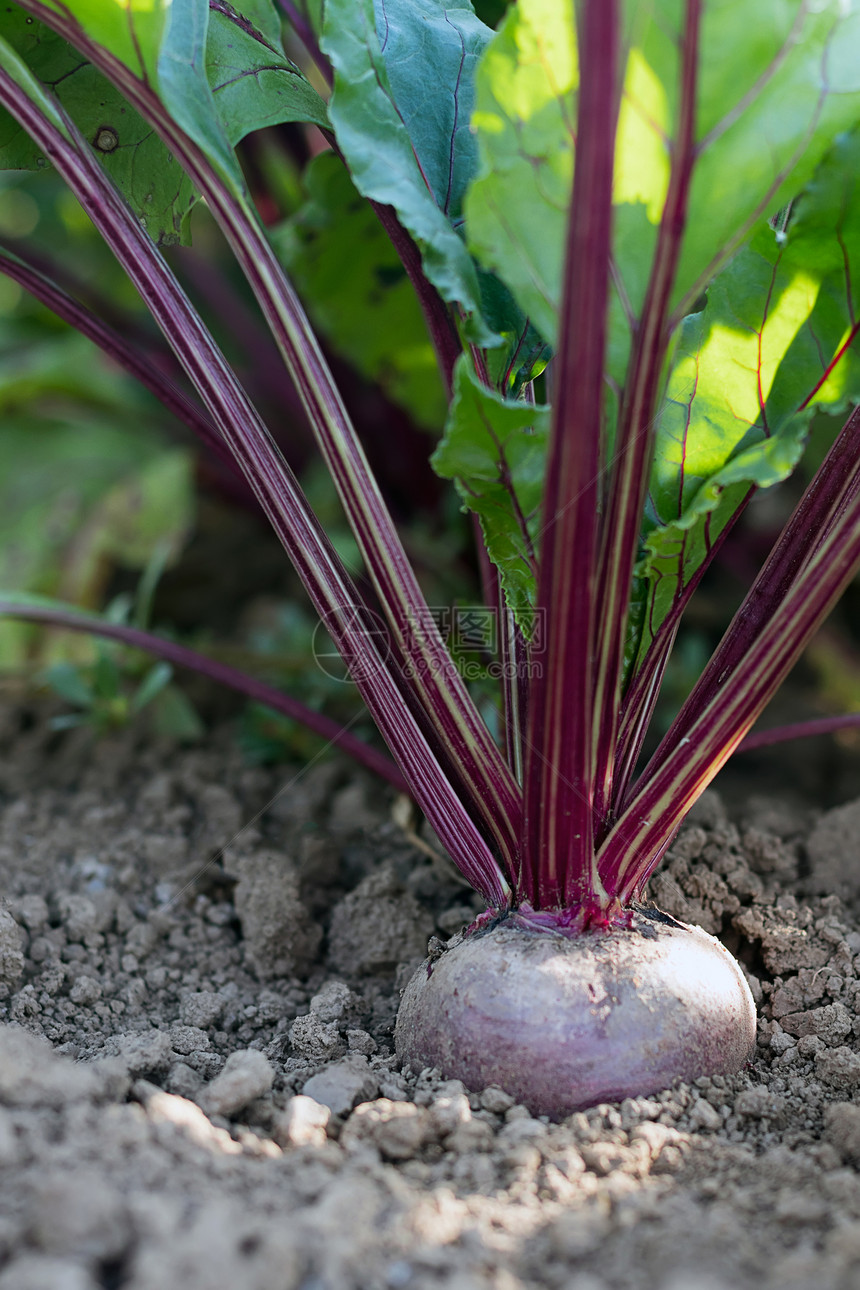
200	967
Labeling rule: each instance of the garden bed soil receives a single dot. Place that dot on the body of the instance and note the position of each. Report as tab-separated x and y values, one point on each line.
200	966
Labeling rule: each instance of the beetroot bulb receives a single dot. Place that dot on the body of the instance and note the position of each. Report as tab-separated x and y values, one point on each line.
564	1020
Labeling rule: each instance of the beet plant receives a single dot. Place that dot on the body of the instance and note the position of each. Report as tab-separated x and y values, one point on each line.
633	229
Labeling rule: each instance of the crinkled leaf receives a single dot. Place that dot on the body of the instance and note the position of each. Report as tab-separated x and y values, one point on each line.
220	76
254	83
400	110
129	149
357	292
495	451
775	341
131	29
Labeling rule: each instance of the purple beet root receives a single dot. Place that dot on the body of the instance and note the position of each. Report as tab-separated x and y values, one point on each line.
562	1022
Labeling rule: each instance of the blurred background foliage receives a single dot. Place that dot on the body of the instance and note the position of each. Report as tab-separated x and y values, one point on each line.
106	502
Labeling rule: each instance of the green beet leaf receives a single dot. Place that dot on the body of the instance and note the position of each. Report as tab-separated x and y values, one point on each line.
128	148
400	110
772	95
495	451
775	341
254	83
357	292
220	75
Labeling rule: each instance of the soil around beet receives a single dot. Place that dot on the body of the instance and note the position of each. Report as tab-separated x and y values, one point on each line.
197	1079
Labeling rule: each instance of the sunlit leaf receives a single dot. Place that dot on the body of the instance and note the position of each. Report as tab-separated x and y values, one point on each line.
776	340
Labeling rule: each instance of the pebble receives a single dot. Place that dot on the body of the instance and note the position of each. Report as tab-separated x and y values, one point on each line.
397	1129
343	1084
247	1074
302	1123
188	1039
146	1053
201	1008
336	1002
11	952
314	1038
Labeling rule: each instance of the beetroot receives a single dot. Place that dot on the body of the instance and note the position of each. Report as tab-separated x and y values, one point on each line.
562	1022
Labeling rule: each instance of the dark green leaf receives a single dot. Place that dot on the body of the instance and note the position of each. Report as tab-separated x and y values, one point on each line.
254	83
400	110
129	149
495	451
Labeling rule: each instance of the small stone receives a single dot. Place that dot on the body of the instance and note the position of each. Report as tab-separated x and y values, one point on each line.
145	1053
832	849
705	1116
397	1129
188	1039
247	1074
336	1002
496	1100
86	991
78	915
280	936
183	1081
377	926
302	1123
201	1008
32	911
842	1130
473	1135
11	953
780	1042
831	1023
838	1067
359	1041
315	1039
342	1084
517	1131
448	1113
655	1135
759	1104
